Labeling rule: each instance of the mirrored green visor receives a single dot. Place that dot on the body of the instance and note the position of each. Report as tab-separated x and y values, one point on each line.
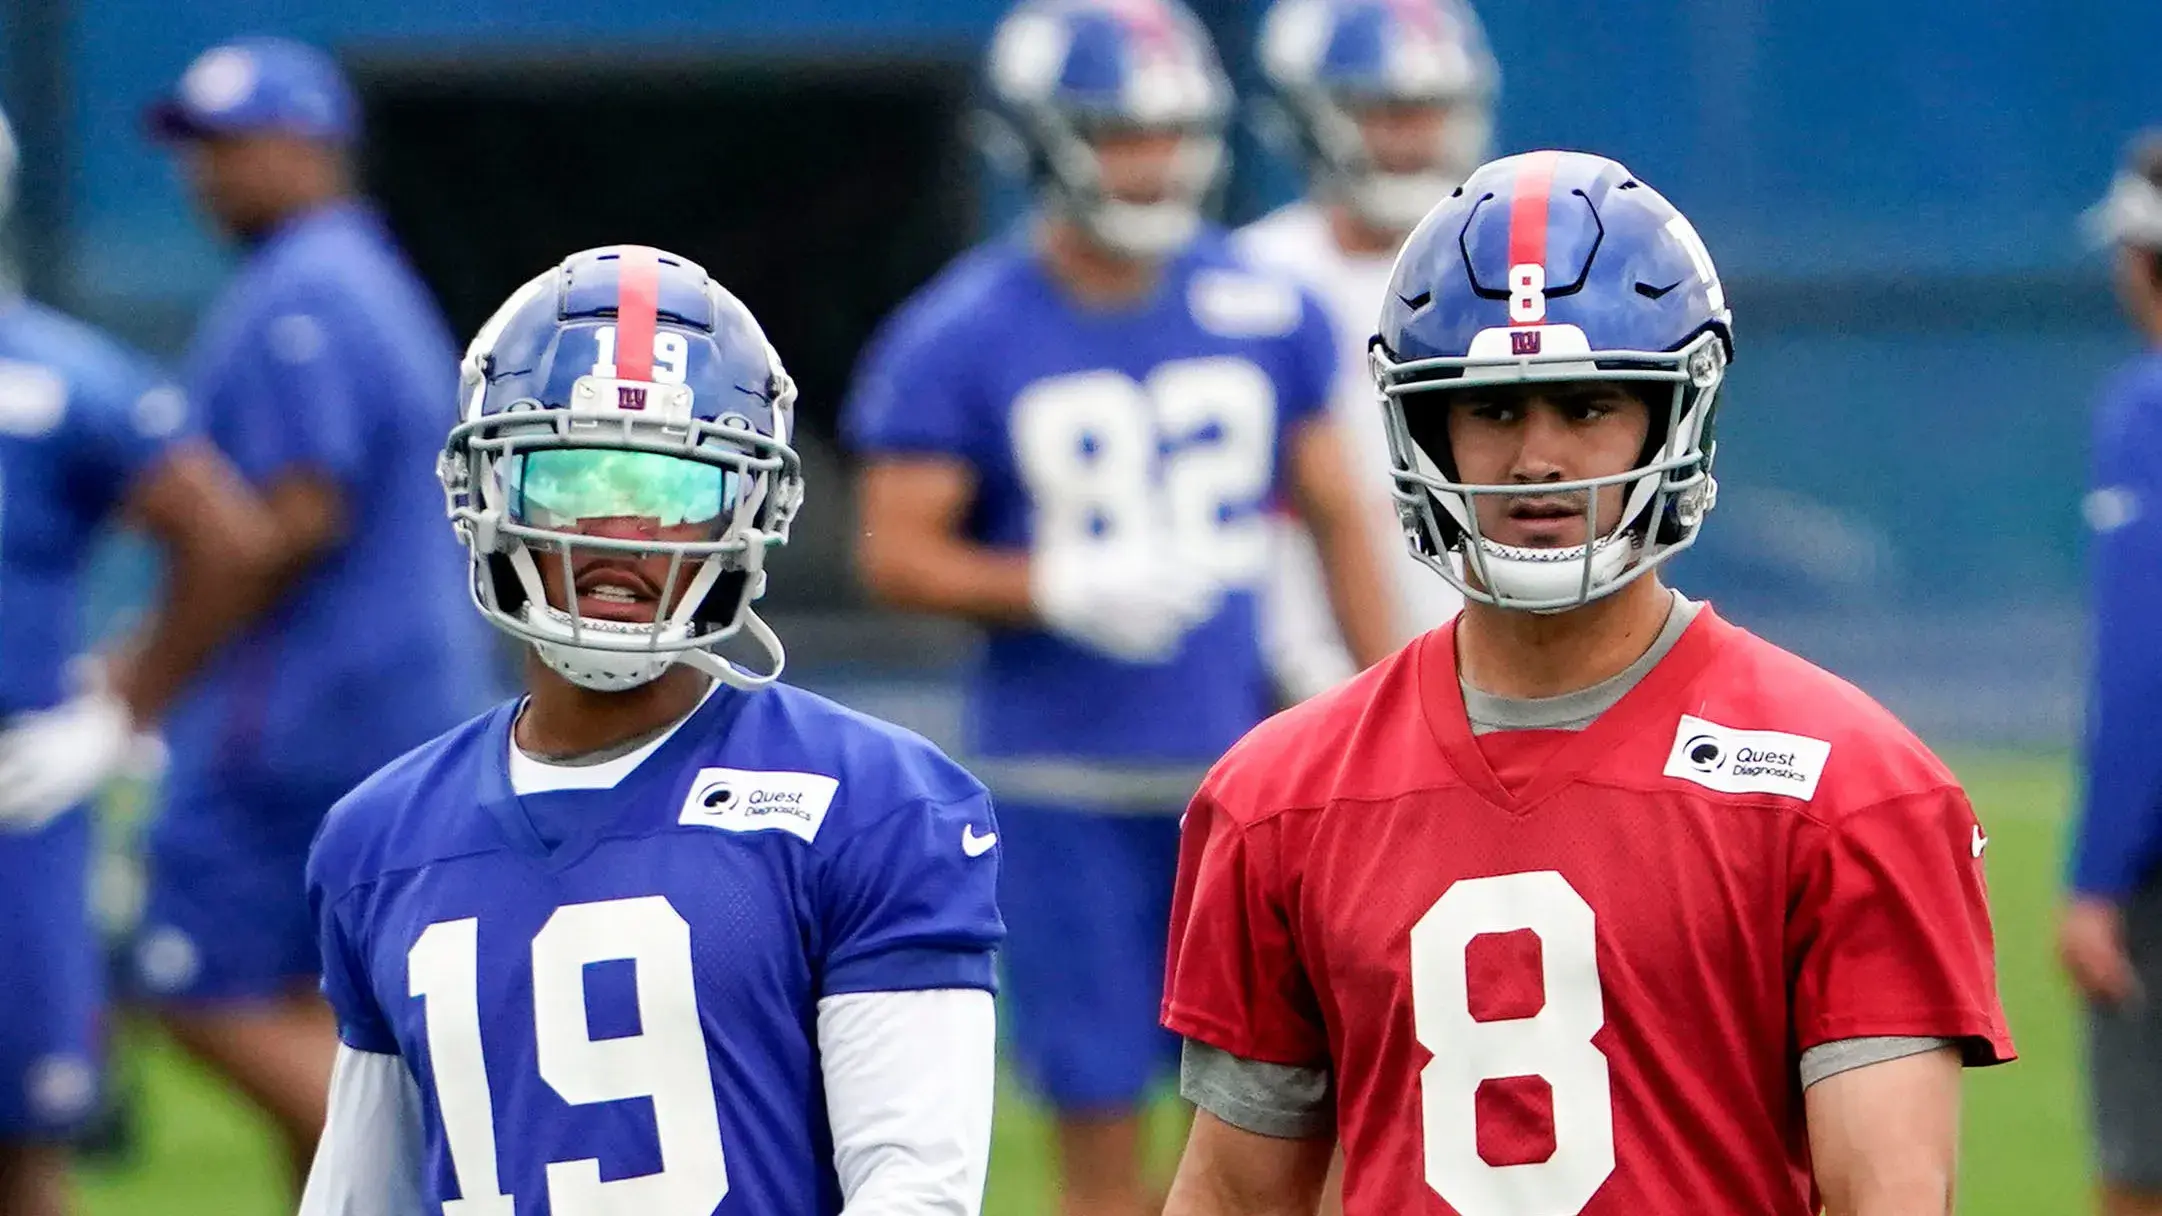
561	488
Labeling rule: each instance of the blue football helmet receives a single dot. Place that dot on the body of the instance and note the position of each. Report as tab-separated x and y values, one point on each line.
1545	267
1329	60
623	403
2131	213
1063	71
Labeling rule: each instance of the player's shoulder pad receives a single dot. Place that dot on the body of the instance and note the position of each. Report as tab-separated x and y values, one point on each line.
879	768
56	363
1283	236
1768	707
327	284
1233	294
958	304
1311	754
2129	406
400	816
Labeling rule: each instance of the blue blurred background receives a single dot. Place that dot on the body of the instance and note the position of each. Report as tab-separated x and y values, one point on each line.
1891	192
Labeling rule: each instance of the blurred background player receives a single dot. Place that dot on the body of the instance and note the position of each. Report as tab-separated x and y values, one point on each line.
2110	932
1590	902
698	912
1389	104
325	373
89	434
1070	437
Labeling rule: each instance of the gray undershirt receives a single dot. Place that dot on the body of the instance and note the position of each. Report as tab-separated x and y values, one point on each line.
1295	1103
1577	710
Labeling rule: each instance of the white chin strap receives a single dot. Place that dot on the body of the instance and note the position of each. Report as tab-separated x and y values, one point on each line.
610	669
1143	230
1546	575
1396	202
598	668
730	674
640	653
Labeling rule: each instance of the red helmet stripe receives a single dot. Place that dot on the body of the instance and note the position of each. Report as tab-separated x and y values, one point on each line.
1420	15
1527	211
638	304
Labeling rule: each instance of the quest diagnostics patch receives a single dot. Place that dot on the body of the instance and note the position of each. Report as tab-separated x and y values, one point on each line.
741	800
1747	761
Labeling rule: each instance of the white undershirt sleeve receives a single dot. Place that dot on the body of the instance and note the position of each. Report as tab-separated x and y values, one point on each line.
909	1077
1299	637
368	1162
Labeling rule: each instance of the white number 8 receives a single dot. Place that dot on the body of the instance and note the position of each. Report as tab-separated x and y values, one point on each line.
1527	293
1554	1044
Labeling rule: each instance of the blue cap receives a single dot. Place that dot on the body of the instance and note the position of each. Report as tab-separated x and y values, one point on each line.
259	85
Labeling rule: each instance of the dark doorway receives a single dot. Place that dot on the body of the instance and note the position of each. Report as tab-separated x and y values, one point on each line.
821	189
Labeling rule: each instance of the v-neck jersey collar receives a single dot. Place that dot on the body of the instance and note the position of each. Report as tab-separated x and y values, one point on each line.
1441	701
608	807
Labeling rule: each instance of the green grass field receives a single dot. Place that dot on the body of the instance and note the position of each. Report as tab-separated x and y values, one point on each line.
201	1155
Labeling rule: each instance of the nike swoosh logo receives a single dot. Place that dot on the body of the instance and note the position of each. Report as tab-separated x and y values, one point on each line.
1980	841
974	845
1650	292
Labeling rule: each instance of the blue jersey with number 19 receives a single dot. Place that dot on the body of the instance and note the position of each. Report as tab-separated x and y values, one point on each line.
608	996
1081	423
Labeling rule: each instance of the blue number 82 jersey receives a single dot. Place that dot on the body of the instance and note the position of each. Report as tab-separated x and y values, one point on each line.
609	997
1083	426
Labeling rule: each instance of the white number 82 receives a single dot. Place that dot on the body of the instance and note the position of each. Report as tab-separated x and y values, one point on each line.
1090	446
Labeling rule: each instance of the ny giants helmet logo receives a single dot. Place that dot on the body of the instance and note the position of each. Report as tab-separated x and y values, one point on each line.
1524	342
628	398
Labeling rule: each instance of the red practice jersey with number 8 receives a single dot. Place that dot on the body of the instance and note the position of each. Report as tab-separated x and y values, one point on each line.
1585	991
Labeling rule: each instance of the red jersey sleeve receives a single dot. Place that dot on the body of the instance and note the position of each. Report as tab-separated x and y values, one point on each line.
1888	927
1233	979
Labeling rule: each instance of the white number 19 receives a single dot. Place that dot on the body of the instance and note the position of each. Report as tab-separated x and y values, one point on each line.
671	355
664	1061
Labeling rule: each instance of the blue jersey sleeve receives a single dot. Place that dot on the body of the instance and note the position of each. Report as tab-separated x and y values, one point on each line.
362	1025
2121	826
300	396
914	394
121	418
911	901
1310	364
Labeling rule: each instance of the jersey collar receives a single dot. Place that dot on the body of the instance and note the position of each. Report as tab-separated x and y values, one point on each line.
341	212
1441	700
602	812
